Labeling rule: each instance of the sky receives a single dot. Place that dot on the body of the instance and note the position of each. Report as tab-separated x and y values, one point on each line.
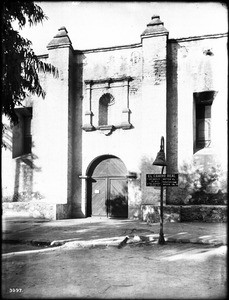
98	24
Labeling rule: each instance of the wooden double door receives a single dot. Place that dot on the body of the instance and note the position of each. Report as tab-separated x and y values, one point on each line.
107	188
109	197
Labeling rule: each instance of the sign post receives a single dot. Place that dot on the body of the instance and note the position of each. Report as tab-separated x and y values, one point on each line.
161	240
161	180
160	161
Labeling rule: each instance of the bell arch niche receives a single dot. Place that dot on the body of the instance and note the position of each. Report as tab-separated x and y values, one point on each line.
107	188
106	106
106	102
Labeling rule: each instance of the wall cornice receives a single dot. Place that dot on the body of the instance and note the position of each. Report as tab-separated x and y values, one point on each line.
195	38
108	48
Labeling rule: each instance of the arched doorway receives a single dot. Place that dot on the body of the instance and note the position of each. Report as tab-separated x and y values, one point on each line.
107	188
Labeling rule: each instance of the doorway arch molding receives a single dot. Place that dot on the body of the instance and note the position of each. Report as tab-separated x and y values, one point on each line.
97	160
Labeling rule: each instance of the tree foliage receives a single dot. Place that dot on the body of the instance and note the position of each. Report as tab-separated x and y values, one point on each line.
20	65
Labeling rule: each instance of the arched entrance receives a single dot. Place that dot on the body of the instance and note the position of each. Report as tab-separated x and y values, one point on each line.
107	188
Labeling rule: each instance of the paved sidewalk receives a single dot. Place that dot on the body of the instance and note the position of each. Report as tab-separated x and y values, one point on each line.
103	231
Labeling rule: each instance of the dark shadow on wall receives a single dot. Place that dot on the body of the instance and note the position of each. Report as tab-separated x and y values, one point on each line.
118	204
24	172
75	135
23	182
17	180
172	114
89	196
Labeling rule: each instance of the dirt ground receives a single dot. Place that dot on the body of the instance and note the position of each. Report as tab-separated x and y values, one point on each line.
171	271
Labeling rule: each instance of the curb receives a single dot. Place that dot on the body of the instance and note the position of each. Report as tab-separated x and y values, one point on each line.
195	241
5	255
119	242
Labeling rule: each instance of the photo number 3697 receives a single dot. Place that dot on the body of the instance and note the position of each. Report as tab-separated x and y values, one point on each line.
15	290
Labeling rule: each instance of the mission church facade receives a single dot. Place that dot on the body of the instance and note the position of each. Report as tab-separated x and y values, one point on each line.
86	148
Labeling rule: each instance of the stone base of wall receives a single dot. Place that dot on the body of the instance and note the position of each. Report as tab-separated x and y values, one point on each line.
204	213
151	213
191	213
134	212
44	210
